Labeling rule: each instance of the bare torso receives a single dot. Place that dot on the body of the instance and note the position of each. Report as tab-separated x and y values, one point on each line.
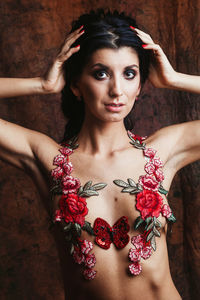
113	280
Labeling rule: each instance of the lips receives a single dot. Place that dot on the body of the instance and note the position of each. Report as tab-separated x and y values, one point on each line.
114	107
114	104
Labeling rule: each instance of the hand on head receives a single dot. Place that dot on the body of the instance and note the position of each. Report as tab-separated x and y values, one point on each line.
53	82
161	73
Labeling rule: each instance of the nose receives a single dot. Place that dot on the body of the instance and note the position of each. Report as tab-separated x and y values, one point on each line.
115	88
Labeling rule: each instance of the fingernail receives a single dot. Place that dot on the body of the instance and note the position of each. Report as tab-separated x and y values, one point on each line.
144	45
81	27
132	27
77	46
82	31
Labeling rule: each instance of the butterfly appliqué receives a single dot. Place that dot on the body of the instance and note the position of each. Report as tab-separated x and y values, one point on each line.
117	234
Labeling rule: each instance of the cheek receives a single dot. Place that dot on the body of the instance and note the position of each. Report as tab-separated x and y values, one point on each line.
93	92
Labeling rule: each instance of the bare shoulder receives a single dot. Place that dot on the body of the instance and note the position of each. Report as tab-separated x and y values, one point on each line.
44	149
180	142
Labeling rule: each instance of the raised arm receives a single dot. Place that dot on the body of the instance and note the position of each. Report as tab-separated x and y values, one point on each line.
21	146
181	142
52	82
161	74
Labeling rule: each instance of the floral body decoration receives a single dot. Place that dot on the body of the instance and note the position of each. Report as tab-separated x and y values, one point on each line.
149	203
73	208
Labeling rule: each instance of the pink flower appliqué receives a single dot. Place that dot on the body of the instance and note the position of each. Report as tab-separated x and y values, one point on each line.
148	182
159	175
137	137
67	168
78	256
166	211
57	173
86	246
146	252
89	274
149	152
70	184
58	216
149	168
142	250
135	268
90	261
157	163
66	151
59	160
134	255
138	241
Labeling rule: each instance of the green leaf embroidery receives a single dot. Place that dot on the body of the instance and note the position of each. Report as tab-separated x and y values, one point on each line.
150	226
67	227
87	185
99	186
121	183
153	243
162	190
88	190
89	193
77	228
87	226
129	189
71	249
150	235
172	218
138	222
131	182
148	220
156	232
157	222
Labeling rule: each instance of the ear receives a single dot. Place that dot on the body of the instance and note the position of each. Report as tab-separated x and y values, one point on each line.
75	89
139	90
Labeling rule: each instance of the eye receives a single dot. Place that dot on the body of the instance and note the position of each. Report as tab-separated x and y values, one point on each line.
130	74
100	74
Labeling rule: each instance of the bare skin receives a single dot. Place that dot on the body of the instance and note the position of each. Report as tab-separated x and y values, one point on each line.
104	147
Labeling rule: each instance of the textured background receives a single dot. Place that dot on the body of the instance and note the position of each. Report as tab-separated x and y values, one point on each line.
31	31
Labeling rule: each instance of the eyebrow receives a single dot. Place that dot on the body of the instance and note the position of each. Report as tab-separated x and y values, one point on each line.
106	67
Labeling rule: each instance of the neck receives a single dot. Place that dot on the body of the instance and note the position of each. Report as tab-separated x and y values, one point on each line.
102	137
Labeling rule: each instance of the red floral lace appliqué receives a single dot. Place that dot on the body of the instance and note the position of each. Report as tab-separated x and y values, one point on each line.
142	250
149	203
73	209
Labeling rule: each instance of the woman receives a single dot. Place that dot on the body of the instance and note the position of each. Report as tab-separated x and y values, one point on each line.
103	256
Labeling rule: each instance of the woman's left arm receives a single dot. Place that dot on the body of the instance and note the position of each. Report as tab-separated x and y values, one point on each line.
179	143
161	73
182	141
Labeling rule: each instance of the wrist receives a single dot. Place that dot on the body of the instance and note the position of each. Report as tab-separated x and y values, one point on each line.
173	80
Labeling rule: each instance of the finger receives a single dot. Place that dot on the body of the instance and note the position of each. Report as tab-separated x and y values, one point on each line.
74	34
145	37
64	56
157	50
70	41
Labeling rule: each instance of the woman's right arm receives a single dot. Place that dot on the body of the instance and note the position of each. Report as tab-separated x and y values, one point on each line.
19	145
12	87
52	82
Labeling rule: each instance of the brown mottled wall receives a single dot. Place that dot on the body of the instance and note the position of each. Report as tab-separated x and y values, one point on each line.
30	33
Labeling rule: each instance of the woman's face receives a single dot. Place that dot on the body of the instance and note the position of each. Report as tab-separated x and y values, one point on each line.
109	84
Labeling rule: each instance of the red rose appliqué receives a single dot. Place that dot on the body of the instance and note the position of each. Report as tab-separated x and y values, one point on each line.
149	204
73	208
